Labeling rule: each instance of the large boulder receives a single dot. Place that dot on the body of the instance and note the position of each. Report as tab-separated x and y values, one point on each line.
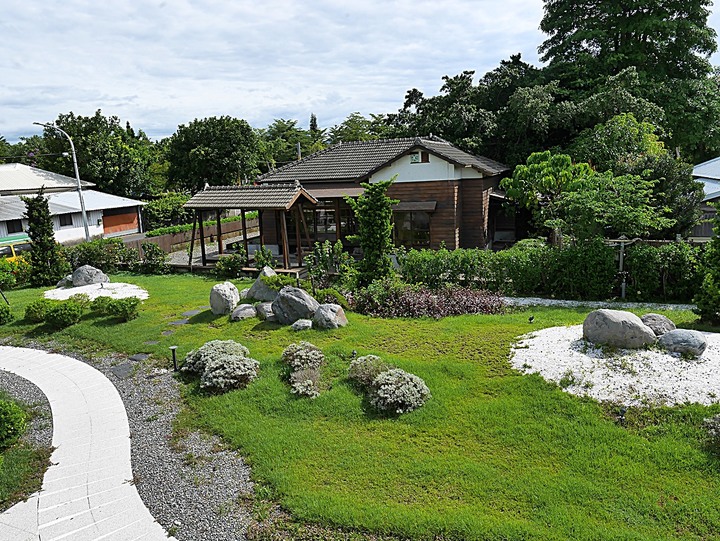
87	274
65	282
223	298
293	303
683	341
329	316
260	290
302	325
618	329
658	323
243	311
264	311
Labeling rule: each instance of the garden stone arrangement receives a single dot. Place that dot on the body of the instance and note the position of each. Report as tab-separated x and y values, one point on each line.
94	283
615	356
289	306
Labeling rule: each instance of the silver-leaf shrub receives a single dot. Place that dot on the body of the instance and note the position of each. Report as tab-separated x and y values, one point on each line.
397	391
365	369
306	382
197	359
712	425
229	372
302	355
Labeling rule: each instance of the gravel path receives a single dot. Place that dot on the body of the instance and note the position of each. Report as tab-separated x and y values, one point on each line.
193	485
39	433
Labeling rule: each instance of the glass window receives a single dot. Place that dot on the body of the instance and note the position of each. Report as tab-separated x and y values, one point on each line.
14	226
25	247
412	229
5	251
65	220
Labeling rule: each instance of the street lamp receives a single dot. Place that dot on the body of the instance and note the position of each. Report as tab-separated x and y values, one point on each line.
77	177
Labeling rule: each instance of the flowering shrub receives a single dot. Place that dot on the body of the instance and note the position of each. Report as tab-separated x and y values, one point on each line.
306	382
397	391
302	355
228	372
197	359
365	369
390	298
712	425
12	423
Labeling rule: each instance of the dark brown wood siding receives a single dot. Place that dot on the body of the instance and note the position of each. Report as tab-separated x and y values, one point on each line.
475	204
445	221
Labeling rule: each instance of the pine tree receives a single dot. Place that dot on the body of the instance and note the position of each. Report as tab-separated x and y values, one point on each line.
47	265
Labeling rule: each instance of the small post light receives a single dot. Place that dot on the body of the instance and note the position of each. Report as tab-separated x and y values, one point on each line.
174	355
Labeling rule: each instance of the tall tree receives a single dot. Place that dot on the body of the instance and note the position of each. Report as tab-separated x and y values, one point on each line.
665	39
215	150
110	155
356	127
47	266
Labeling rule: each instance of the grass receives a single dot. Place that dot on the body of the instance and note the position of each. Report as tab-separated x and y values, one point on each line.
493	455
21	468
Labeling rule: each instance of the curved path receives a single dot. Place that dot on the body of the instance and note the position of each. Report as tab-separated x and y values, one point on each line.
87	493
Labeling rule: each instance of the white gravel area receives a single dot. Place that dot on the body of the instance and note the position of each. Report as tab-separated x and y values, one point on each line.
117	290
629	377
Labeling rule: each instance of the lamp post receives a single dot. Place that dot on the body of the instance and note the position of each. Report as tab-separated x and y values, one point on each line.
77	177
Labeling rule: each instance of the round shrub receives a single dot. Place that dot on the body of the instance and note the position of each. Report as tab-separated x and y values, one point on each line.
229	372
306	382
220	350
37	310
5	313
63	314
365	369
83	299
125	309
12	423
397	391
101	305
302	355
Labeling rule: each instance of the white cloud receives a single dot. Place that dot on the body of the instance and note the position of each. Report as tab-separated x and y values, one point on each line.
164	63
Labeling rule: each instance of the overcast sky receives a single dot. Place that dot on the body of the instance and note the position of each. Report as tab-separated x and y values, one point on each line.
158	64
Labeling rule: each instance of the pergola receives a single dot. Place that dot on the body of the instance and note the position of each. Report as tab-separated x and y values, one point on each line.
275	197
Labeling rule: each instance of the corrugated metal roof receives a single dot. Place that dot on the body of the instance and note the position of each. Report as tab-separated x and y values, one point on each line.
711	187
274	196
13	208
16	178
709	169
359	159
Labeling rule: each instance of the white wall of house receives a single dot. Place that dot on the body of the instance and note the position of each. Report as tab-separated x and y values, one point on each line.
76	231
435	169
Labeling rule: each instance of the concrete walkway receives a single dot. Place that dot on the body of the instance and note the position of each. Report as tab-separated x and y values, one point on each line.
87	493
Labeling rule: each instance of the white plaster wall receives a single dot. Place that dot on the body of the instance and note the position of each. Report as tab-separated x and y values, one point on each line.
77	231
436	169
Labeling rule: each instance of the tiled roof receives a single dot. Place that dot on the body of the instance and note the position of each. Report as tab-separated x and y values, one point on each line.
263	196
359	159
16	178
709	169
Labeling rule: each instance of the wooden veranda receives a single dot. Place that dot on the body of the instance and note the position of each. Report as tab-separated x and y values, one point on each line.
282	199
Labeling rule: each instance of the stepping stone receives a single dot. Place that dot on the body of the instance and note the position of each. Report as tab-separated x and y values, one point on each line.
180	322
151	343
205	308
191	313
139	357
123	371
167	333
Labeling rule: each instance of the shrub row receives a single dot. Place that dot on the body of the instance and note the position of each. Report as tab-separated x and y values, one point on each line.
61	314
586	270
188	227
109	255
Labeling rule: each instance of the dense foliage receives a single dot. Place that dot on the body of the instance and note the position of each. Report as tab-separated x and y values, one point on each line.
167	210
12	423
708	298
108	255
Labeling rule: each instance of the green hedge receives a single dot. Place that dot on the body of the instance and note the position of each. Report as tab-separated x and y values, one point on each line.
585	270
188	227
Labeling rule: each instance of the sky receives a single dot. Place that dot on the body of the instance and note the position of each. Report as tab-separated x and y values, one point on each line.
159	64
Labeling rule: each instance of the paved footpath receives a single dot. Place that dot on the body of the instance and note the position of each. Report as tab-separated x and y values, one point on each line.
87	492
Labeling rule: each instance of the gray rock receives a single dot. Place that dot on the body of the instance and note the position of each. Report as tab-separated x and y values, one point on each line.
329	316
259	290
617	328
65	282
302	325
293	303
243	311
86	275
264	311
658	323
244	293
683	341
223	298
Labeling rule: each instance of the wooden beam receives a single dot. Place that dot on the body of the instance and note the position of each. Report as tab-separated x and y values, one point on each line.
202	241
284	233
245	239
192	237
219	231
305	227
297	236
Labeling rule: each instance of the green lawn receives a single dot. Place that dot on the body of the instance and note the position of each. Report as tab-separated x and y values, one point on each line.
493	455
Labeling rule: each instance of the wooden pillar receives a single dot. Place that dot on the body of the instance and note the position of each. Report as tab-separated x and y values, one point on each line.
305	227
286	245
260	225
219	231
202	240
245	239
337	219
192	237
297	236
